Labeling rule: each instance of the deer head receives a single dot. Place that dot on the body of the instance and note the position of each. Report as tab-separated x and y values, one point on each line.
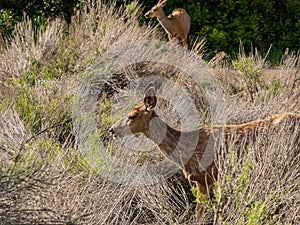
138	120
156	10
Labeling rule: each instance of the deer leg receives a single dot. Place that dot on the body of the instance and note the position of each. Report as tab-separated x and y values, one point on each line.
170	37
184	43
173	39
204	189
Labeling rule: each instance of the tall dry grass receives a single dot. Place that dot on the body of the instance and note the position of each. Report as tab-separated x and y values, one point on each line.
44	178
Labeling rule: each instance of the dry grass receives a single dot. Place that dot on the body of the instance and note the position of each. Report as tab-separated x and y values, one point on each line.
44	179
262	187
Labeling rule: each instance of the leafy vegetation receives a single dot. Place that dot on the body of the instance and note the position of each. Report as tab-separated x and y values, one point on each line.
257	23
224	23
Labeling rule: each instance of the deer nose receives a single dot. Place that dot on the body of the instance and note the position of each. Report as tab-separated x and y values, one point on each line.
146	15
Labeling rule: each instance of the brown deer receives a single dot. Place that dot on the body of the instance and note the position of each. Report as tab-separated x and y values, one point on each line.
177	146
177	25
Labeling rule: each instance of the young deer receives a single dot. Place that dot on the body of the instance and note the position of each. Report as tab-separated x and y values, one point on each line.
177	25
189	157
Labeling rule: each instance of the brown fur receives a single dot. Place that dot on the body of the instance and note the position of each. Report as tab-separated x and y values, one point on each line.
176	25
140	118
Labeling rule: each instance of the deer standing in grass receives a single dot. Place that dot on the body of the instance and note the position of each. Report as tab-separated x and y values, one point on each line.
176	25
191	158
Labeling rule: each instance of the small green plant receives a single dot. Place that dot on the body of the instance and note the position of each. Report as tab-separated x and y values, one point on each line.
249	75
27	108
105	118
257	213
131	7
25	162
37	71
249	69
8	20
245	66
275	86
202	199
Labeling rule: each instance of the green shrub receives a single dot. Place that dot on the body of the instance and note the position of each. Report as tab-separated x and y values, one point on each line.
8	19
224	23
256	23
39	12
27	108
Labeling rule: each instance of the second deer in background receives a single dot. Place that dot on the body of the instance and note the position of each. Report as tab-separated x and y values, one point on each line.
177	25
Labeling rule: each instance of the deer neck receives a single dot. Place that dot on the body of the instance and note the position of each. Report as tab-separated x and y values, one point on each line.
166	23
175	145
164	136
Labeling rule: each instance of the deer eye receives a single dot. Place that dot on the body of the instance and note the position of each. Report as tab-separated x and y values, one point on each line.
132	117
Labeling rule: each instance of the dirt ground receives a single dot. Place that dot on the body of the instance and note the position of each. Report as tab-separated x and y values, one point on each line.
268	74
280	73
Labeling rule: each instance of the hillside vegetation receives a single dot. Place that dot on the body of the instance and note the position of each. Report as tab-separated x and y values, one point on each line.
45	178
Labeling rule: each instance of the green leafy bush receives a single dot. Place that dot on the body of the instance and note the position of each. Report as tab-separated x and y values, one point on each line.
39	12
223	23
256	23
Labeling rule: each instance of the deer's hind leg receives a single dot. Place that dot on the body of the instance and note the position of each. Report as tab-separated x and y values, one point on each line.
184	43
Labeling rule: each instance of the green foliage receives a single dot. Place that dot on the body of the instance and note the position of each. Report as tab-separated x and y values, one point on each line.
97	155
24	164
8	19
256	23
37	110
40	71
249	208
30	76
75	162
256	212
130	7
105	115
26	161
274	87
202	199
250	75
224	23
28	110
39	154
245	66
39	11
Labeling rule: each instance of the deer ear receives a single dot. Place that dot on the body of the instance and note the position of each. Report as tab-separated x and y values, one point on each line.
162	2
150	99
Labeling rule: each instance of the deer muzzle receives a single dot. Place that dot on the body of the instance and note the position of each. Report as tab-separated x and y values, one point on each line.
147	15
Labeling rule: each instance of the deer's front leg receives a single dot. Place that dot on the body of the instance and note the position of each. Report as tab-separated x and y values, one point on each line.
171	38
204	189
